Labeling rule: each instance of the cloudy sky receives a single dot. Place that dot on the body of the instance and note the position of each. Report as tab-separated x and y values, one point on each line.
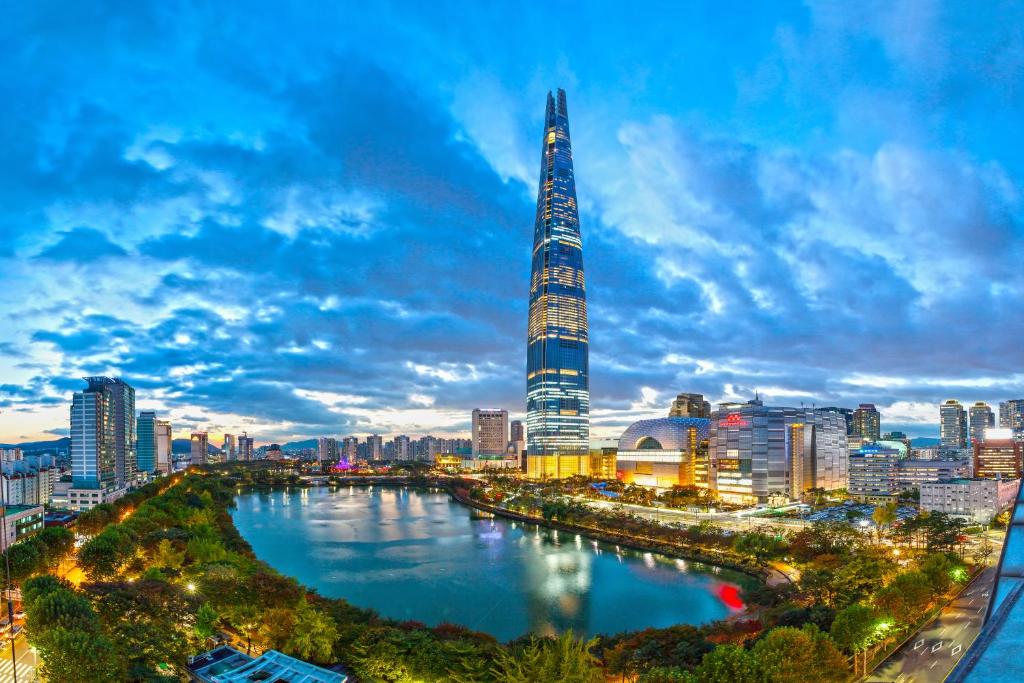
315	218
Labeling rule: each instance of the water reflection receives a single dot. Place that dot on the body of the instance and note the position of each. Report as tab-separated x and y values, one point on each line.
414	555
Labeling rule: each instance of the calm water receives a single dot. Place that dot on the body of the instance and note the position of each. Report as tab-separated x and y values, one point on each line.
416	555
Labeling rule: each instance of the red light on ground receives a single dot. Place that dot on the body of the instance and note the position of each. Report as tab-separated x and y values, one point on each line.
730	595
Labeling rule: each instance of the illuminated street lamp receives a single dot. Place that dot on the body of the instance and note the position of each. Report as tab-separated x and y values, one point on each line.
190	587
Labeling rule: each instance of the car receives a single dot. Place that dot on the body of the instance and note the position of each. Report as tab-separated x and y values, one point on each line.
19	614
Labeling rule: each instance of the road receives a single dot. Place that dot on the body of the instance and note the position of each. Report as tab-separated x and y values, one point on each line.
26	661
932	653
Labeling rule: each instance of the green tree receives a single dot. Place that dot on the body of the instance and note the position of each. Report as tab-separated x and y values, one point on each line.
313	634
760	546
906	598
727	664
939	568
75	656
854	627
106	553
166	556
564	659
806	655
25	560
92	522
61	609
883	517
56	544
206	621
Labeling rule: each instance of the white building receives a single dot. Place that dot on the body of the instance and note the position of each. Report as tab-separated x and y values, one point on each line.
29	481
20	520
326	450
490	432
164	456
978	500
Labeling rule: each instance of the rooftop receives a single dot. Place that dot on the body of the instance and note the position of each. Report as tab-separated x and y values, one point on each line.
225	664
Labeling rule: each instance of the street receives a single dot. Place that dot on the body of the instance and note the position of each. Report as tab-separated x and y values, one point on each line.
933	652
26	661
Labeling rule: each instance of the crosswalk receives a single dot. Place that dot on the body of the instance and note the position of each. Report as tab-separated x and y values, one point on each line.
26	664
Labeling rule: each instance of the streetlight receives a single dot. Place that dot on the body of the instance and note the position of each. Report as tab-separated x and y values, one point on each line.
190	587
7	562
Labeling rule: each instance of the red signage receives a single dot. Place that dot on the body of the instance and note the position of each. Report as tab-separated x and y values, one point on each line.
733	420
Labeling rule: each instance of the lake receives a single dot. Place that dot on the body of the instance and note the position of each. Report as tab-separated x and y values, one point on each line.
419	555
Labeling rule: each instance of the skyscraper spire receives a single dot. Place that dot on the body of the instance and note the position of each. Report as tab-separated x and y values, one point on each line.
557	352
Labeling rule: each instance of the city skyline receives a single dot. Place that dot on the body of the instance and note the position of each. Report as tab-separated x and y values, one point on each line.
333	240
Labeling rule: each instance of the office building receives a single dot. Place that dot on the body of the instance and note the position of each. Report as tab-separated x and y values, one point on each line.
102	442
145	429
21	521
603	462
913	472
867	423
327	450
757	452
490	432
229	451
999	455
245	448
952	424
200	448
663	452
873	473
374	447
557	352
350	448
980	418
1011	415
164	446
976	500
690	405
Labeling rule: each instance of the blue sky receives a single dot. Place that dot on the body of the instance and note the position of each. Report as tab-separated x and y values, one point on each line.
315	218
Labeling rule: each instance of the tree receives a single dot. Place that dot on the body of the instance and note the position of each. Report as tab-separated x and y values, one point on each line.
854	627
906	597
244	617
55	543
75	656
25	560
806	655
103	556
983	551
759	545
92	522
206	621
939	568
62	609
883	516
313	634
563	659
726	664
166	556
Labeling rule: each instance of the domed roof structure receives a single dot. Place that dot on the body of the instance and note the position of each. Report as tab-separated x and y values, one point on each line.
663	433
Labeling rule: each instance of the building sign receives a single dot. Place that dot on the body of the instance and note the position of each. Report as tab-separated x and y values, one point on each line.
733	420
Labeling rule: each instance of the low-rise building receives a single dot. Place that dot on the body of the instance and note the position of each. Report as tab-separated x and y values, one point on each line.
663	452
82	499
20	521
914	472
873	473
603	462
225	664
978	500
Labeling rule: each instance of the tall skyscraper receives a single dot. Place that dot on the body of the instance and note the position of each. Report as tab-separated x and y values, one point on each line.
200	448
557	352
374	447
1011	414
92	438
145	429
229	449
117	407
867	423
327	450
981	418
350	448
245	449
164	447
952	425
690	405
402	447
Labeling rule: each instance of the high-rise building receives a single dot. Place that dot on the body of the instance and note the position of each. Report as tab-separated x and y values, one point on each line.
350	448
374	447
557	352
756	453
103	438
867	423
517	442
164	446
229	451
690	405
1011	415
490	432
245	448
200	442
999	455
952	424
145	428
981	418
402	447
326	450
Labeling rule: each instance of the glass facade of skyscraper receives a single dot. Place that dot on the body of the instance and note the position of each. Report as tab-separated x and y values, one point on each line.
146	433
557	367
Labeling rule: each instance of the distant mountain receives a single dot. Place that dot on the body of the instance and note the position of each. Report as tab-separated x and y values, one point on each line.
181	446
62	444
924	442
299	445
